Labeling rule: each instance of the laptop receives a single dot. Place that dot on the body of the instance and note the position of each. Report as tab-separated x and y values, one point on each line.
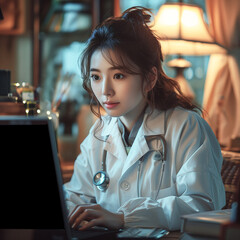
32	204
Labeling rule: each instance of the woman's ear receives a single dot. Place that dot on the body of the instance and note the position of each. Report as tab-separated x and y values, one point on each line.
151	80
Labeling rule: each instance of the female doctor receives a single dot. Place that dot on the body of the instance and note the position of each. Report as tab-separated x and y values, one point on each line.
152	158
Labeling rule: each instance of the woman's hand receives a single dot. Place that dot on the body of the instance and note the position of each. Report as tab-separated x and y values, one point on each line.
95	215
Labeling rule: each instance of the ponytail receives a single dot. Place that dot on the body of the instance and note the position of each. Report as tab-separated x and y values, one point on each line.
134	44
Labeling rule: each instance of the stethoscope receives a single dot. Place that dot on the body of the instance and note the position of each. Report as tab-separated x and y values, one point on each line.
101	179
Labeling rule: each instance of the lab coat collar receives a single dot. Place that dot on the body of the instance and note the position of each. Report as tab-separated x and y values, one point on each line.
113	141
153	124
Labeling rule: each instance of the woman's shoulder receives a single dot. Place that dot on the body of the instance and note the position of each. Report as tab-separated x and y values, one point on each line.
177	114
182	114
183	118
179	117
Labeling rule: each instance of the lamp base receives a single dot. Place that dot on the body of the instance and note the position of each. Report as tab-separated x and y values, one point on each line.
180	64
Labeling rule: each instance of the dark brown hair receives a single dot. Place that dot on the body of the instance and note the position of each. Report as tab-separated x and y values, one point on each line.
132	40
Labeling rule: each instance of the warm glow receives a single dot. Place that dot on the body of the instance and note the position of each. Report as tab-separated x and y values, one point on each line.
189	47
190	18
183	30
169	17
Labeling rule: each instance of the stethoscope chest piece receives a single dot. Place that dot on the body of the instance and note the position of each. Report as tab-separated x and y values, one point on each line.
101	180
158	156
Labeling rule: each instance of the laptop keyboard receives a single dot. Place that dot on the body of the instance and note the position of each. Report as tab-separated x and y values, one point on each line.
98	233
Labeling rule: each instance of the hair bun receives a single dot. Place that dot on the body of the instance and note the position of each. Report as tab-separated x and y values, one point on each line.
137	15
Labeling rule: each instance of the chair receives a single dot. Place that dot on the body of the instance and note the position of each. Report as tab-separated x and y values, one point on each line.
230	176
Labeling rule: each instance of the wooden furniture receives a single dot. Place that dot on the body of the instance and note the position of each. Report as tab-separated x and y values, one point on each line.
230	175
12	108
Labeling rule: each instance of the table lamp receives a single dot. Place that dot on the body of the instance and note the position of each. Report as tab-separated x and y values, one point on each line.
183	31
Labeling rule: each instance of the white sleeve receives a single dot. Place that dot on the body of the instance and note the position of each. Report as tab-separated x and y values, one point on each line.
198	182
80	188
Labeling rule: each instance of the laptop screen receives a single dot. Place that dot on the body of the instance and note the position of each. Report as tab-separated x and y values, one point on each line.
28	182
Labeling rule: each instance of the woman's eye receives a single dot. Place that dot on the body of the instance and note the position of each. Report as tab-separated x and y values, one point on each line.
95	77
118	76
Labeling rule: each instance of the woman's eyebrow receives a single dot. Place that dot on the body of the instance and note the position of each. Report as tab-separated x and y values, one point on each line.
94	70
111	68
116	68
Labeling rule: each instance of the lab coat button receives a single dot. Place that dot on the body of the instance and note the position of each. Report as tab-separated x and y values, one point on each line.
125	185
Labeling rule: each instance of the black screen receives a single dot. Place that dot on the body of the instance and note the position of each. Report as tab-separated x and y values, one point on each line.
29	196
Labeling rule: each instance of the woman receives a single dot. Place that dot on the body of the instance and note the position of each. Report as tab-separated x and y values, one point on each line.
152	158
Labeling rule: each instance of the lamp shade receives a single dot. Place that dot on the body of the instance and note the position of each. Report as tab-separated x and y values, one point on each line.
183	30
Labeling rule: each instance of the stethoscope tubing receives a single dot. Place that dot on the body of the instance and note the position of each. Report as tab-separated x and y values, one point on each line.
139	174
104	185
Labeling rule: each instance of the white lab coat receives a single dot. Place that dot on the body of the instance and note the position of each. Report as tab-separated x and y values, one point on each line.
191	180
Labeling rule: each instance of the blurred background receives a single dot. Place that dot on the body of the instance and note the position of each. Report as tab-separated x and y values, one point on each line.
41	42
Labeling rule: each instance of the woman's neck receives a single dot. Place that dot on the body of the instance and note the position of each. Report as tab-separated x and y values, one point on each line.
129	120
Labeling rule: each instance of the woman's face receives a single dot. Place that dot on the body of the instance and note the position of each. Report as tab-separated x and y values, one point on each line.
120	93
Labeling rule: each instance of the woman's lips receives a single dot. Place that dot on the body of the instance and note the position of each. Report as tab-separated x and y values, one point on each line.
110	105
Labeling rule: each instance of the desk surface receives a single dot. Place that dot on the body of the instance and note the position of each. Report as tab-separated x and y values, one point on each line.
30	234
172	236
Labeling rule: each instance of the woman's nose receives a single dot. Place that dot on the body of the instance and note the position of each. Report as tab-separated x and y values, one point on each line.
107	87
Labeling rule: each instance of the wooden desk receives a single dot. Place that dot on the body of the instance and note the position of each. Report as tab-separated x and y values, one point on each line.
34	234
173	236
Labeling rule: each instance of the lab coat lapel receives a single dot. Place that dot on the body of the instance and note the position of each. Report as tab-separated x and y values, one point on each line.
138	149
114	144
152	125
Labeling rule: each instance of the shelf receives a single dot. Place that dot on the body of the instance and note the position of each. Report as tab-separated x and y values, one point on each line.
11	108
43	34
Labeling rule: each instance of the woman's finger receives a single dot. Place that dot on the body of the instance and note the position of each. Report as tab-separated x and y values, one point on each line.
87	215
79	209
75	214
70	214
92	223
